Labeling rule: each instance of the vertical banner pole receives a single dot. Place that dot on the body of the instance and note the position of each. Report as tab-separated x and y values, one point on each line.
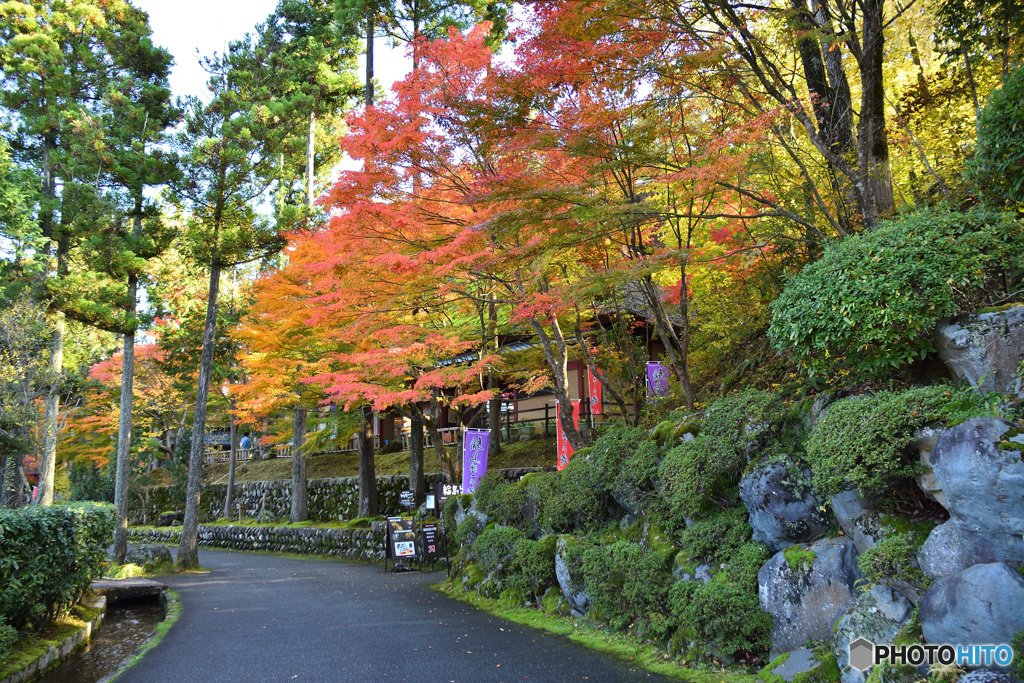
474	458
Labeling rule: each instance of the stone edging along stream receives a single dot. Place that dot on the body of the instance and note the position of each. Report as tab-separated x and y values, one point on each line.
56	655
358	544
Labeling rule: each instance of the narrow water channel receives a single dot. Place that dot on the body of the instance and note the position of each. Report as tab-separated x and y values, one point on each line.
125	628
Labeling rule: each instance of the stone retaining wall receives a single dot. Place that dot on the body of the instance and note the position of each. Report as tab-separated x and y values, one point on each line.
328	500
359	544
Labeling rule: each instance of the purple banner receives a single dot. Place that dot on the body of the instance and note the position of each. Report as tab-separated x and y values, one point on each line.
474	458
657	379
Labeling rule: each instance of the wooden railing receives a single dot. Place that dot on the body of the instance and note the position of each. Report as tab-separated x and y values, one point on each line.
241	455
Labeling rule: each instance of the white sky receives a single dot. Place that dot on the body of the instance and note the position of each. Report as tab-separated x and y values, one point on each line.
185	26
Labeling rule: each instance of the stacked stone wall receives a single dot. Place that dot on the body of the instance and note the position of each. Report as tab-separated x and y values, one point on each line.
358	544
328	500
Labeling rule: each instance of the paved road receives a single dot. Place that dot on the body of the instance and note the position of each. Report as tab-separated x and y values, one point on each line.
268	618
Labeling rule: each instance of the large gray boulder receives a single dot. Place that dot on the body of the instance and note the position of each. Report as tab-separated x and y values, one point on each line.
782	505
148	555
806	590
858	519
876	615
572	586
984	350
984	487
170	518
983	604
943	554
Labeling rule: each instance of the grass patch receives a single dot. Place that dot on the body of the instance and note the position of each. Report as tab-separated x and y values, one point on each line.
799	558
31	646
173	612
125	571
631	651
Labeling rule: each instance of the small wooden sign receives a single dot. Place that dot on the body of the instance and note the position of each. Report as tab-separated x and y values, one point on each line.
431	540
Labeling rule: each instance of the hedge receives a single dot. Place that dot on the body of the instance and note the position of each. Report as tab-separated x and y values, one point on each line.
48	558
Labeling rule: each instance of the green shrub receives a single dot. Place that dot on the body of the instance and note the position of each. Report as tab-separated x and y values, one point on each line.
998	164
624	582
736	425
48	558
1017	641
894	561
715	538
613	446
533	566
494	546
467	530
501	501
723	616
636	478
698	474
539	489
871	302
580	500
689	478
863	441
8	635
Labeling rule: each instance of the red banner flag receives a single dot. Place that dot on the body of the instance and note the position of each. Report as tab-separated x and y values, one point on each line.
565	449
596	390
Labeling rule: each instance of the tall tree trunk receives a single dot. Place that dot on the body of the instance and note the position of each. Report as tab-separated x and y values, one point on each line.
367	470
972	84
124	443
448	461
371	29
124	425
494	404
232	459
604	380
556	351
830	94
188	551
310	158
494	426
51	412
299	511
417	478
872	143
51	416
14	481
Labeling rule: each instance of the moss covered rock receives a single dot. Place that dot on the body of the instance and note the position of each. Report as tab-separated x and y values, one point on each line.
801	666
807	590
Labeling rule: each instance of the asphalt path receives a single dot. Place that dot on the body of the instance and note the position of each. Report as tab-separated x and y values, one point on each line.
261	617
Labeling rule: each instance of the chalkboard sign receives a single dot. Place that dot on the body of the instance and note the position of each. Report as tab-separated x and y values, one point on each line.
431	540
407	498
402	538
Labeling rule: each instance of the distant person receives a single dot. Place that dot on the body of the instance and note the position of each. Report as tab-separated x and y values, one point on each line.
246	443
